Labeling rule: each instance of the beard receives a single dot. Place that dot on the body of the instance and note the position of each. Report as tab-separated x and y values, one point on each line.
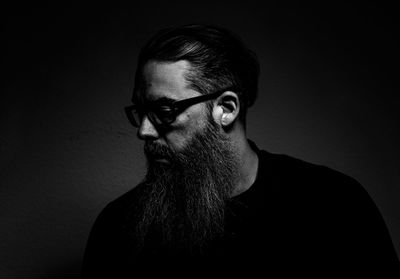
183	201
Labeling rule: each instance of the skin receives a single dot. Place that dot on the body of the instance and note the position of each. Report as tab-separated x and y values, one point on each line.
166	79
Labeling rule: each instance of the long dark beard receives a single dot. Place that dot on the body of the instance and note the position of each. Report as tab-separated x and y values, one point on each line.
184	200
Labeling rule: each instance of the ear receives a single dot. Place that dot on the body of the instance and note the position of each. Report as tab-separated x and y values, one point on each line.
227	109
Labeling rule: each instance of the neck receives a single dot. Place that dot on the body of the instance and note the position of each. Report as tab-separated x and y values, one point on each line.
248	165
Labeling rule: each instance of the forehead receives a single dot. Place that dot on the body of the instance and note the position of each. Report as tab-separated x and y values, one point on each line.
166	80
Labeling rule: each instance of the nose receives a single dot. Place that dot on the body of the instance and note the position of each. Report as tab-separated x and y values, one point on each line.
147	131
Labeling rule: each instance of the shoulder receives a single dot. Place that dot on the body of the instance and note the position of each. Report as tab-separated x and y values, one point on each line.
303	176
115	212
123	203
316	190
332	205
108	241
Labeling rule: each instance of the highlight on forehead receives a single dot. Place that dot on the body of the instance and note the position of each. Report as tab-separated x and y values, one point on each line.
159	72
141	98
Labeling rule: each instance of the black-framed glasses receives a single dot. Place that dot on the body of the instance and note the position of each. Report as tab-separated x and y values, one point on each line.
162	113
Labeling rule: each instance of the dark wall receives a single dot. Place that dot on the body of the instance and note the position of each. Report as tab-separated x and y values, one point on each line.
327	95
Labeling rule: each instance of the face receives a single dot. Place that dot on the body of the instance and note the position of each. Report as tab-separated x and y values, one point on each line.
165	80
183	200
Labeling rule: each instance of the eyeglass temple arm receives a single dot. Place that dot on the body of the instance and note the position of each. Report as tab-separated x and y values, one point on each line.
188	102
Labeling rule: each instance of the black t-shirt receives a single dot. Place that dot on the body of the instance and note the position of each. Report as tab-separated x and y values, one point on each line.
296	219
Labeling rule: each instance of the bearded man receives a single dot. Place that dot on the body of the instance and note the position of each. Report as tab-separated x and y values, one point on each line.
212	201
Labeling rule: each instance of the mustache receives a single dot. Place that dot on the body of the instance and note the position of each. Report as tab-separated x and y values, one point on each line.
154	150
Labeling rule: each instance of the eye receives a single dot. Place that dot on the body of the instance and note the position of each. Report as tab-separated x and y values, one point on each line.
165	109
165	114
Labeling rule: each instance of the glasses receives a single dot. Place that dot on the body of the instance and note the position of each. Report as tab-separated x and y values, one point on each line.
162	113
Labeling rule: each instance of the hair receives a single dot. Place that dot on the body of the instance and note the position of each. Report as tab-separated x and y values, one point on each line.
218	60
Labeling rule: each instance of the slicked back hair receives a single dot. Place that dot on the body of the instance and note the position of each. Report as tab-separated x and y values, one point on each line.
218	59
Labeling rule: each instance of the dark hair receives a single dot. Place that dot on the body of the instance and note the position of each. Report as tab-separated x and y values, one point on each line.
218	60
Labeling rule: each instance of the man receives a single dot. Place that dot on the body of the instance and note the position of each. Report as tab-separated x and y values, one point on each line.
211	201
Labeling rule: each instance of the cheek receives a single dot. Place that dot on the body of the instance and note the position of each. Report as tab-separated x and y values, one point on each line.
177	140
198	117
186	126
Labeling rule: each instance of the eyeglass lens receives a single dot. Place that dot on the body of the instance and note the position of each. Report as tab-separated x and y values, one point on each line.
157	118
